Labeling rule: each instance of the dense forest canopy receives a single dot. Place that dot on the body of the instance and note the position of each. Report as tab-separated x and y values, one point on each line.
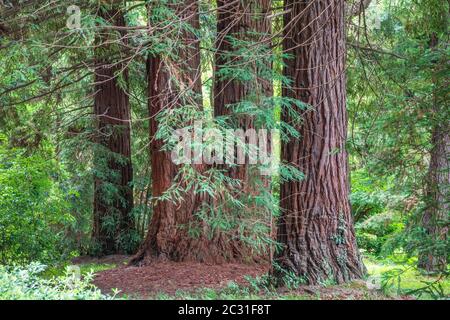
309	137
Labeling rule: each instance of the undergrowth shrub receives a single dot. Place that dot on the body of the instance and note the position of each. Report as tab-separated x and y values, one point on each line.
372	234
34	210
376	209
26	283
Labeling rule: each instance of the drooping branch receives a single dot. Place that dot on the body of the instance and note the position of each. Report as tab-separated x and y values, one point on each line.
356	8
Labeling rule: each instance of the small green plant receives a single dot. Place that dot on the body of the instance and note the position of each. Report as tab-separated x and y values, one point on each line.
26	283
289	278
427	288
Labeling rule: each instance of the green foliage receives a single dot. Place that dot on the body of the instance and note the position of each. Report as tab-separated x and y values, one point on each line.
377	211
399	275
433	289
415	241
287	278
369	197
85	269
26	284
373	233
397	97
34	210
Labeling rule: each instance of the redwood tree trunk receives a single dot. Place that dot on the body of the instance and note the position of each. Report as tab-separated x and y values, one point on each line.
316	227
168	235
243	75
113	200
245	21
435	218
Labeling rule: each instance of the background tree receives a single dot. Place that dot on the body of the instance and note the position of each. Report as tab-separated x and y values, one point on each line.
242	74
436	214
397	89
174	89
113	192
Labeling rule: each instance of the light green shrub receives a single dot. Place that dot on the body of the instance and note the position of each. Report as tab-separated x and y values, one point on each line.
373	233
25	283
34	210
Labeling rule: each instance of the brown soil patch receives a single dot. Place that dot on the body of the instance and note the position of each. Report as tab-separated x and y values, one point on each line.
164	277
170	277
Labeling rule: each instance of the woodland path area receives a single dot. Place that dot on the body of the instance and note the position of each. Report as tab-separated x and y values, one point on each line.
168	279
224	150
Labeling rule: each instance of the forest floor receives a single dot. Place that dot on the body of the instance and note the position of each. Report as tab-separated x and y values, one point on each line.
171	279
168	280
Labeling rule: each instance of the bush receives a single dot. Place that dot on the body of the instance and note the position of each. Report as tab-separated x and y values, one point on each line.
373	233
369	197
27	284
366	204
34	212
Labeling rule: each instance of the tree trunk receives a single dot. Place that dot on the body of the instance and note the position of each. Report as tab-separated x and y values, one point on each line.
316	227
243	75
168	236
435	218
242	26
113	200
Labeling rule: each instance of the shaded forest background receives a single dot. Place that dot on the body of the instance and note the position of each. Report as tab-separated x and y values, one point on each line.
89	100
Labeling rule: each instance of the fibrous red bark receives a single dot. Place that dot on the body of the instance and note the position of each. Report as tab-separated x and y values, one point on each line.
243	76
175	84
316	228
242	26
112	220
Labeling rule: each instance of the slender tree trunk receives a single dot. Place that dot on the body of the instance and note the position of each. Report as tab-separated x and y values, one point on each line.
435	218
113	200
169	83
316	227
242	26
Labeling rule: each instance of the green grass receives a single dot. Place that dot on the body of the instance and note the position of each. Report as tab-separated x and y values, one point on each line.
404	278
232	291
85	269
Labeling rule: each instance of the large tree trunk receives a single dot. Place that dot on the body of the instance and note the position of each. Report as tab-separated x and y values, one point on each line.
435	218
113	200
242	26
168	235
243	75
316	227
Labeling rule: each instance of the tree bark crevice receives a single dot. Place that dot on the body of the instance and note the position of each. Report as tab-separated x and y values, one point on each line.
112	212
168	236
316	227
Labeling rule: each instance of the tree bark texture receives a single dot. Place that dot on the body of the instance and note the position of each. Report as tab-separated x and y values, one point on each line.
435	218
248	22
316	228
168	236
112	220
